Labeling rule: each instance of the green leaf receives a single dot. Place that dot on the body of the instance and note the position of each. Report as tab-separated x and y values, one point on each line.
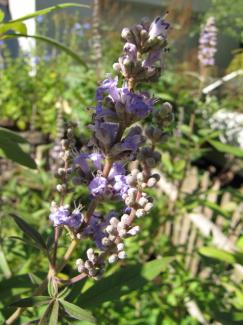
52	42
46	315
54	313
77	312
49	9
13	136
31	301
226	148
214	207
30	231
1	16
17	27
218	254
124	281
4	265
14	152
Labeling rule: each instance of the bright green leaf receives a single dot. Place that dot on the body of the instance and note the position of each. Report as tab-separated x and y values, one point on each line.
1	16
4	265
226	148
218	254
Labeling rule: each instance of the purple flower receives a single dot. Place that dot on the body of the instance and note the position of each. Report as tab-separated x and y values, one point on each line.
98	186
120	184
159	27
40	19
127	105
207	43
117	169
62	216
130	51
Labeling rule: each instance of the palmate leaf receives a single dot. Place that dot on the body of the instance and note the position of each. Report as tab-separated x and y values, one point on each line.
31	301
30	231
50	41
77	312
124	281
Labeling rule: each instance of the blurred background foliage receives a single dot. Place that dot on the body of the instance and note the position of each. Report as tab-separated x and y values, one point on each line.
196	225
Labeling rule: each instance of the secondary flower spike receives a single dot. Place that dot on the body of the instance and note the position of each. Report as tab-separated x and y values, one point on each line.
207	43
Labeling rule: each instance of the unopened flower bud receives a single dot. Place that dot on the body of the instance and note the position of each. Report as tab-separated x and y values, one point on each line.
151	182
133	231
110	229
113	258
105	241
125	33
114	221
140	177
134	172
92	272
65	143
142	201
148	206
122	255
88	265
120	247
140	213
125	219
117	67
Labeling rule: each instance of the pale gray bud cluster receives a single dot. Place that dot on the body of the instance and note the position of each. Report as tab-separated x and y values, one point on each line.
149	157
93	266
163	116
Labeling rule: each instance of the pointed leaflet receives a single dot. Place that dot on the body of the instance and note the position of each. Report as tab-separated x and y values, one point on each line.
13	136
218	254
31	301
14	152
77	312
30	231
54	313
226	148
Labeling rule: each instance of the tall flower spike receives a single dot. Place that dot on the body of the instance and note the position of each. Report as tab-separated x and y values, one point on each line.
208	43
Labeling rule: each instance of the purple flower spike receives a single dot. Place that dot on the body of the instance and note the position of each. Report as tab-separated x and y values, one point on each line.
207	43
98	186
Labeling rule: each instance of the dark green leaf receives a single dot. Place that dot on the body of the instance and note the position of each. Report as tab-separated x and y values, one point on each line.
218	254
31	301
52	42
29	231
124	281
54	313
77	312
226	148
14	152
6	133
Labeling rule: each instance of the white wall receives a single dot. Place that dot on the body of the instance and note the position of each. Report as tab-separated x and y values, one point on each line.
19	8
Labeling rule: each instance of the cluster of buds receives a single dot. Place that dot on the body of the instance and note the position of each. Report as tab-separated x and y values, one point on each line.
207	43
143	51
93	266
